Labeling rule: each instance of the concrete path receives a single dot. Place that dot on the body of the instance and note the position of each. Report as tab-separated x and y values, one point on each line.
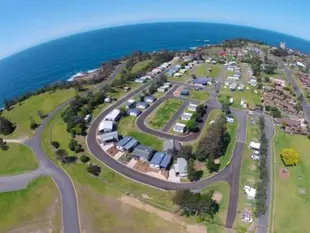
175	117
18	182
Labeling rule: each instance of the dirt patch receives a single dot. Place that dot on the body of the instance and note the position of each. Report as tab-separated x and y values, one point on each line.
252	167
217	161
170	217
199	165
284	173
250	180
217	196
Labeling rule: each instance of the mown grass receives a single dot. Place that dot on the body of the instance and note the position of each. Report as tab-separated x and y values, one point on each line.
35	205
141	65
17	159
20	114
164	113
199	95
202	70
288	201
127	127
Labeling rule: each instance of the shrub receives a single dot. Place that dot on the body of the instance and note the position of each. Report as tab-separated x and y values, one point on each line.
55	144
84	159
94	170
290	157
6	126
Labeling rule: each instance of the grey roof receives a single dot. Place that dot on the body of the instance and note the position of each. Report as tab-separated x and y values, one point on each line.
135	110
170	144
182	165
143	151
202	81
129	145
143	104
124	141
109	136
157	158
153	98
165	161
179	127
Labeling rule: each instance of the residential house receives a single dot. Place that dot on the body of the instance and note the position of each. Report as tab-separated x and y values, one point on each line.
278	82
109	137
177	74
192	107
139	80
161	160
186	116
134	112
143	153
184	92
162	89
106	126
114	115
180	167
167	85
233	86
127	144
250	192
171	144
142	105
201	81
254	145
179	127
150	99
131	103
252	82
240	87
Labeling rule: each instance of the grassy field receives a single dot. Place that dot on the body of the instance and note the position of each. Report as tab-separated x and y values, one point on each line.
248	174
202	70
141	65
34	209
46	102
17	159
251	98
127	126
199	95
288	201
164	113
217	226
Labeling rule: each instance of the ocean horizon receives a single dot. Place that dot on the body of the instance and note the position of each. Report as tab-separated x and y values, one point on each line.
64	57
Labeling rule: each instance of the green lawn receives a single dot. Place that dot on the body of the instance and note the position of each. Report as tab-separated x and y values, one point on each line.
248	174
291	209
159	94
164	113
251	98
199	95
127	126
34	209
17	159
46	102
141	65
202	70
217	226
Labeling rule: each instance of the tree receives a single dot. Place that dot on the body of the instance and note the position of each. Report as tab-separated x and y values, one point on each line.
298	107
33	124
55	144
290	157
94	170
267	79
225	108
191	169
6	126
75	146
41	114
84	159
3	144
191	125
186	152
123	111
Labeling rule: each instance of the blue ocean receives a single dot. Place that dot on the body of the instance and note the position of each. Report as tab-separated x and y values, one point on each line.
60	59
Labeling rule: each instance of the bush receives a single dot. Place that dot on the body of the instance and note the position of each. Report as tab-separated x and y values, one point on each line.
6	126
55	144
75	146
290	157
94	170
84	159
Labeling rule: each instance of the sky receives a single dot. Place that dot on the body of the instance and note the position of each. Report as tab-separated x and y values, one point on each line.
27	23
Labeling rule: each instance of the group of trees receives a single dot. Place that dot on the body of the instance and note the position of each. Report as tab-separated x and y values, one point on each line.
290	157
196	204
192	124
159	82
279	52
263	171
75	146
239	42
274	111
6	126
214	144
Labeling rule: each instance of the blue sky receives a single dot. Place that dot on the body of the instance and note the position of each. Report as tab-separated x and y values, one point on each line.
27	23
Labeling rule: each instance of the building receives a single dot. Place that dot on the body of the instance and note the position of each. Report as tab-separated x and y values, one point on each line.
131	103
250	192
179	127
201	81
106	126
192	107
150	99
254	145
278	82
167	84
109	137
142	105
229	119
233	86
114	115
139	80
160	160
253	82
180	167
171	144
186	116
162	89
184	92
240	87
127	144
107	100
134	112
143	153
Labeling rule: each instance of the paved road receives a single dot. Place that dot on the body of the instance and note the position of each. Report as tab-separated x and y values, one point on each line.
18	182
